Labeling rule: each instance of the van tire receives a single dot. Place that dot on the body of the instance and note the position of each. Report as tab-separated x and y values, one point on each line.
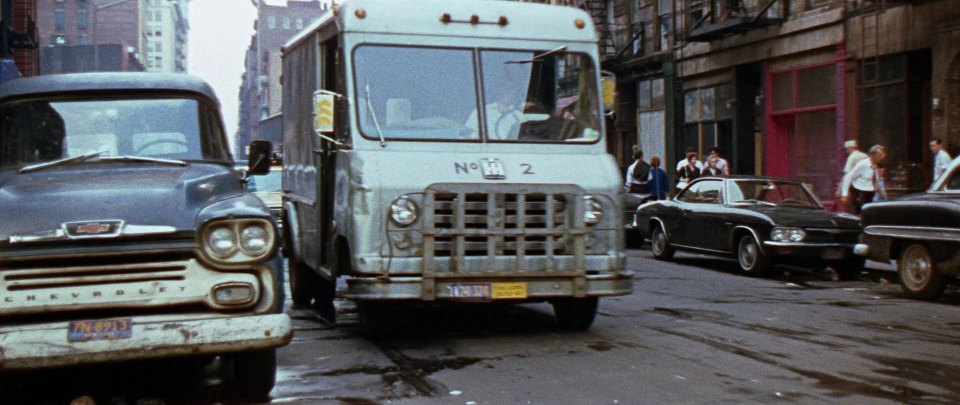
303	282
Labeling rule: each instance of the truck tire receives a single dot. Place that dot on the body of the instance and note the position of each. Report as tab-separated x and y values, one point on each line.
303	282
254	373
323	296
575	313
919	277
375	318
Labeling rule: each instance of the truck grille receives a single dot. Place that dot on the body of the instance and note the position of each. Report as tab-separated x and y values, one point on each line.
42	278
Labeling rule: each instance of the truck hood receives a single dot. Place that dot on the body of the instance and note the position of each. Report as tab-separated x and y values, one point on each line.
143	195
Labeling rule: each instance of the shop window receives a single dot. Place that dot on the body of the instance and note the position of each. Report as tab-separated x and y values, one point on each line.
810	89
783	91
708	114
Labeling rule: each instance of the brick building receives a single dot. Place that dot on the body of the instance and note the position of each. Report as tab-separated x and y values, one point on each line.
18	39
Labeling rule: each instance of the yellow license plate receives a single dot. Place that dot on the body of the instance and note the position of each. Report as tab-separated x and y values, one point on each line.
506	291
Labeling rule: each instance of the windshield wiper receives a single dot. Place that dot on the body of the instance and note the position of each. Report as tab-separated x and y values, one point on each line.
40	166
756	202
126	158
373	114
537	57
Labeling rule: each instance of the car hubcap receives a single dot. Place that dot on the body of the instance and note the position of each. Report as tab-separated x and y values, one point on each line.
748	254
917	267
659	241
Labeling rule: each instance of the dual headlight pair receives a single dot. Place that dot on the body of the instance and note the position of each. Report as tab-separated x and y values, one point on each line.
783	234
404	211
239	240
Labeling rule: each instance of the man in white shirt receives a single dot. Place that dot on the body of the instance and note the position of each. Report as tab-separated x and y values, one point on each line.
941	159
722	164
864	180
854	155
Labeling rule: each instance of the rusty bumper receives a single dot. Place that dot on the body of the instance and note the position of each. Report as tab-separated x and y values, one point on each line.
48	345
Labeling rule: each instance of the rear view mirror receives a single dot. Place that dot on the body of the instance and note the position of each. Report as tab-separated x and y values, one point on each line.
259	157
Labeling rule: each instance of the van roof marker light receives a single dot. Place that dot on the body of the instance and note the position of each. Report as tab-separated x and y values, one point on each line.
446	18
360	13
580	23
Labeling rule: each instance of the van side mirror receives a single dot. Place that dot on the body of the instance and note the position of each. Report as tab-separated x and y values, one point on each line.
258	162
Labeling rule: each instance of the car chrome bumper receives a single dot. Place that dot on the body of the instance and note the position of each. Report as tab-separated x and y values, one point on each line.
539	287
151	337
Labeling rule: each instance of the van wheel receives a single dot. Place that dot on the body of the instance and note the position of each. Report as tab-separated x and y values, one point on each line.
919	277
660	245
323	297
575	313
752	261
254	373
303	282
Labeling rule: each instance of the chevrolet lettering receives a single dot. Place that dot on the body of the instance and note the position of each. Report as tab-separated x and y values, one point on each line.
127	234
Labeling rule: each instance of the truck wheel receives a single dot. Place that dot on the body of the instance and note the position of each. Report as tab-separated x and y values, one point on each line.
752	261
660	245
575	313
254	373
302	282
323	296
919	277
850	269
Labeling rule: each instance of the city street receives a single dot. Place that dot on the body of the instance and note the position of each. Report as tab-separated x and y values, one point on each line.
693	331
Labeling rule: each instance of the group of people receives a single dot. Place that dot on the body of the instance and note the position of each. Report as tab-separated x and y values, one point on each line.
649	178
863	174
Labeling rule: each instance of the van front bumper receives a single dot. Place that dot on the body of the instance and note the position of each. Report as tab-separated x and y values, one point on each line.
539	286
47	345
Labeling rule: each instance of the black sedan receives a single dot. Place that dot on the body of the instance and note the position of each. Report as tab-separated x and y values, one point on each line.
761	221
921	232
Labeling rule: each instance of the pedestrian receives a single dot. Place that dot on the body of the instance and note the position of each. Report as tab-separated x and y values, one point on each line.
659	183
713	167
864	183
637	176
722	163
941	159
683	162
854	155
688	172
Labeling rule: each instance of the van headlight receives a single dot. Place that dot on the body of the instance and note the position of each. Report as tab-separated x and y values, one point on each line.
238	240
403	211
782	234
592	210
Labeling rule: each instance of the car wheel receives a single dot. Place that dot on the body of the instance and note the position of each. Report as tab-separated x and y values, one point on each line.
303	282
752	261
575	313
850	269
919	277
254	373
660	245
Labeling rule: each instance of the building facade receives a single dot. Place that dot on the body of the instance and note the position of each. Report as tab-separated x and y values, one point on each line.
18	39
260	89
165	29
778	86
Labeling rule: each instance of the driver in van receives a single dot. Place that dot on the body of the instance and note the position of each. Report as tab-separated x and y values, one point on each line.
502	118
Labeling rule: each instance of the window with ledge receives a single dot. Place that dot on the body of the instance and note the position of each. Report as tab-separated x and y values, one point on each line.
59	19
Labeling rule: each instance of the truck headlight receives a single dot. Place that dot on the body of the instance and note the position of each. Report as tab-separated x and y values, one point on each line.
222	241
787	234
403	211
592	210
238	240
254	240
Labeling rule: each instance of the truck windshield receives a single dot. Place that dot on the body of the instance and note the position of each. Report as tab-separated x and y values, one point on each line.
431	94
39	131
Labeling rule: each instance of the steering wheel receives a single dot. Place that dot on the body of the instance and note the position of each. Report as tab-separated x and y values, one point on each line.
513	124
160	141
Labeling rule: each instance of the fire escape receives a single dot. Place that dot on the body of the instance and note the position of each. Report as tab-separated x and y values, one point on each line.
598	12
722	18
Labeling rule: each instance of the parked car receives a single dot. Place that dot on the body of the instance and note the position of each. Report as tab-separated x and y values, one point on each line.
126	234
762	221
921	232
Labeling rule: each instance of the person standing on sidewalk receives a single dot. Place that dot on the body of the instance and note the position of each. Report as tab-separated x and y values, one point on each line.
941	159
864	181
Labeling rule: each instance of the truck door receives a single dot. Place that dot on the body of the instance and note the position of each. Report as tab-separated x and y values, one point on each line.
325	155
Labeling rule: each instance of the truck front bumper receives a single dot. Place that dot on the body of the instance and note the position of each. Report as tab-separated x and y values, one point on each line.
543	286
47	345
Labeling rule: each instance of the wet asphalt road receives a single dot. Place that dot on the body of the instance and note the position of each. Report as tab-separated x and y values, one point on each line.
693	331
